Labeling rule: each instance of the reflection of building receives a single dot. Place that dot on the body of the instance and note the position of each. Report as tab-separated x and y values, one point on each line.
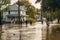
12	15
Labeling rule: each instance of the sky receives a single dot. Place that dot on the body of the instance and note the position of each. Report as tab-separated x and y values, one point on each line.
36	5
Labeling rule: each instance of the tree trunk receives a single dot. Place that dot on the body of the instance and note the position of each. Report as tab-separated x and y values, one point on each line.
0	26
0	32
58	21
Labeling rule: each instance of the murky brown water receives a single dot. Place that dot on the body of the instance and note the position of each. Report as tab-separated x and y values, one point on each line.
25	33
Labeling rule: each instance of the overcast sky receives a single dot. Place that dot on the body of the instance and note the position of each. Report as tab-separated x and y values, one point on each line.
31	1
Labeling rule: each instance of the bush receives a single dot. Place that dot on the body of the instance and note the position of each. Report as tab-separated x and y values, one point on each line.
31	19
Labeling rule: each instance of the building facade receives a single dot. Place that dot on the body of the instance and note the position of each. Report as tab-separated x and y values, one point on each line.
12	14
38	16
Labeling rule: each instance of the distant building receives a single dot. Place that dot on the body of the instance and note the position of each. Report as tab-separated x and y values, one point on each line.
12	14
38	16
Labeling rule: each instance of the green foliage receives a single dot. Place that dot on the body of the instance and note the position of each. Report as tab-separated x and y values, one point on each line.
6	2
57	14
52	7
31	10
31	19
48	5
6	9
38	1
3	3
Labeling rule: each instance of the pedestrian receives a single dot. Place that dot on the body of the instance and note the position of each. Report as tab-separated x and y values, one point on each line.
47	22
42	21
26	23
30	23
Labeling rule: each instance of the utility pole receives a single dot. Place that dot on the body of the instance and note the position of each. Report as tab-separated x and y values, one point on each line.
41	17
19	18
0	19
47	32
41	13
19	12
0	25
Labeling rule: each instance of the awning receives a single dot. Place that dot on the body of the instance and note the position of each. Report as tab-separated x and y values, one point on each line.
16	15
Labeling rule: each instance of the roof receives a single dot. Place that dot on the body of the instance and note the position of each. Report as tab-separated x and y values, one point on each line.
15	7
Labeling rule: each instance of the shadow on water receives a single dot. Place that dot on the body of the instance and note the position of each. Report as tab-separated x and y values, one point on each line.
55	35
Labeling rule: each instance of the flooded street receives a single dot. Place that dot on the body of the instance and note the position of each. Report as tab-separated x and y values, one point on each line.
37	31
29	33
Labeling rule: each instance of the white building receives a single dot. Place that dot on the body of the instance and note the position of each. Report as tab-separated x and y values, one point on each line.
12	15
38	16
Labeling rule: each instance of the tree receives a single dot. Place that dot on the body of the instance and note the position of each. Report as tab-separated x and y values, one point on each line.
31	10
3	4
38	1
51	6
56	15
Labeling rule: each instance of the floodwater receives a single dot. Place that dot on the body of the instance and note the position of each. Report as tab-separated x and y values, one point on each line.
33	32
